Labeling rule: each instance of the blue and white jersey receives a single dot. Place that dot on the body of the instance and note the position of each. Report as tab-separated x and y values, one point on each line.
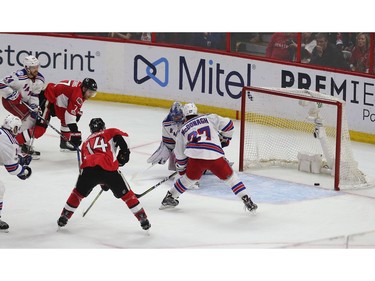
19	81
9	150
199	138
169	132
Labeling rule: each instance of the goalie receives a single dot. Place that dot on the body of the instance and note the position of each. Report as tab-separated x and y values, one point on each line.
170	127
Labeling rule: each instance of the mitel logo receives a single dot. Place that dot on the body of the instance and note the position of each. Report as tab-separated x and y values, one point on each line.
145	70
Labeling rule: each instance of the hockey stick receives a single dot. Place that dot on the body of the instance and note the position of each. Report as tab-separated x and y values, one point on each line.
92	203
57	131
156	185
136	195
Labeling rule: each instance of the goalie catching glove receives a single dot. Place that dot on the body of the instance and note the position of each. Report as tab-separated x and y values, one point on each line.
160	156
123	157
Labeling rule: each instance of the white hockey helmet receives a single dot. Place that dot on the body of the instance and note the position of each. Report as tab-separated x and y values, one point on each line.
30	61
190	109
12	123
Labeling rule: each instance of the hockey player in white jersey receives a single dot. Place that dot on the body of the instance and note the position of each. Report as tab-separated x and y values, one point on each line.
10	157
24	86
199	147
170	126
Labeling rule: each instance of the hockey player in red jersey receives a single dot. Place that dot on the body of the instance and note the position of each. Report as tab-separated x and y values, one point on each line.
63	100
100	167
199	147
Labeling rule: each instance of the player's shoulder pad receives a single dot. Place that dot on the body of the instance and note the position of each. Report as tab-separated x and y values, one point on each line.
115	131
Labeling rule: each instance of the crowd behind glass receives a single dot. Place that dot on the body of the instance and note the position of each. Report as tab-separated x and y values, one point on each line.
340	50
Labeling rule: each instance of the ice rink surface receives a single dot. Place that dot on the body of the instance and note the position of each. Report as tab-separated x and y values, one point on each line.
209	224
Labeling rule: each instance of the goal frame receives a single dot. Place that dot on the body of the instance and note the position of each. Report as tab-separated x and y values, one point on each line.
339	105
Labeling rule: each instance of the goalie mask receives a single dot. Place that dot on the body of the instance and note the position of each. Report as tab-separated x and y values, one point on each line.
12	123
176	112
96	125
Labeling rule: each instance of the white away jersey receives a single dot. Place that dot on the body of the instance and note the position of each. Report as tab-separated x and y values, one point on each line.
9	149
199	138
28	88
169	132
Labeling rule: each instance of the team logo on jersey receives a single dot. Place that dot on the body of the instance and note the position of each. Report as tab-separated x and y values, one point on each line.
151	70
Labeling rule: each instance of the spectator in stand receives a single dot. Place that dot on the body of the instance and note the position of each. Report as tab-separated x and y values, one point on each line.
359	60
282	46
146	36
307	46
209	40
326	54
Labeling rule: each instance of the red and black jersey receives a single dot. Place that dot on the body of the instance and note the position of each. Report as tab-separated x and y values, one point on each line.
100	149
67	97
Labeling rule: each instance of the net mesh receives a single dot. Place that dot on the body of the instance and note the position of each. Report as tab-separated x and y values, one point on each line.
279	127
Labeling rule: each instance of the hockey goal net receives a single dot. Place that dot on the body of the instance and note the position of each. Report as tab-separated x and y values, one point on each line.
300	129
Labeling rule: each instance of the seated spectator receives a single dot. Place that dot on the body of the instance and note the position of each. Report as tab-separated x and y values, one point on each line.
359	60
307	46
326	54
282	46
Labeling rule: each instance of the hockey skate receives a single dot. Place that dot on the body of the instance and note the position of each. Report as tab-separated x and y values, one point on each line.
63	219
168	202
249	205
142	217
27	149
4	227
66	146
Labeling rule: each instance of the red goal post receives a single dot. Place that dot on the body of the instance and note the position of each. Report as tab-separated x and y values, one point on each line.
297	128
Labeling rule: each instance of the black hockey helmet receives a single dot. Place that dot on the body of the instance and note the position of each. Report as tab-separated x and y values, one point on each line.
96	125
90	84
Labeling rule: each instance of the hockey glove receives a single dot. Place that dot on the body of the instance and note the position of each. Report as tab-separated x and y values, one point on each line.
78	116
25	173
224	141
15	97
123	157
35	112
24	159
76	138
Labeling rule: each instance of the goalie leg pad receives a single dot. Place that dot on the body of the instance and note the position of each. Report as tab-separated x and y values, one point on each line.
160	156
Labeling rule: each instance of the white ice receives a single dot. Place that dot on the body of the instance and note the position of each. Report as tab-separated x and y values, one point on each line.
208	219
